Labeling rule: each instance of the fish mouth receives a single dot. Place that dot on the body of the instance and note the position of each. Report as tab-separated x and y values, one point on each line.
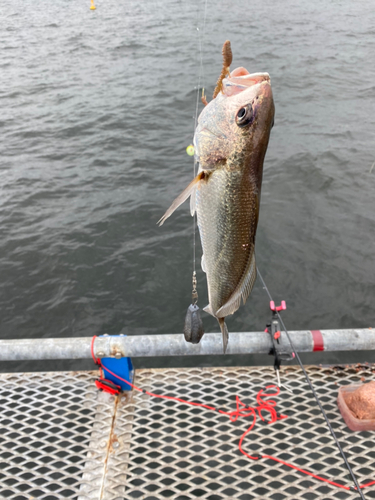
240	79
212	131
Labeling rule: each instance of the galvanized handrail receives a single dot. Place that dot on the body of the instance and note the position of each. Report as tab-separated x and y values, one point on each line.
175	345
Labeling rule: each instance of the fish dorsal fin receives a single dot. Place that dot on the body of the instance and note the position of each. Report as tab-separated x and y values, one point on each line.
203	264
182	197
242	290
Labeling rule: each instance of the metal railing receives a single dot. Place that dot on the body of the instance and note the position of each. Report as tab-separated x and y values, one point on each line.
134	346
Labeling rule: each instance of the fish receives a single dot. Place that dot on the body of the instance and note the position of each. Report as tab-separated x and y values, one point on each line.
230	143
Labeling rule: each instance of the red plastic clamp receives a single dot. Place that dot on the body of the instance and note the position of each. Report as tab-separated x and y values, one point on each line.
107	386
282	307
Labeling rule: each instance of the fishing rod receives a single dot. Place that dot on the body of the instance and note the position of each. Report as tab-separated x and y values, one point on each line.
314	393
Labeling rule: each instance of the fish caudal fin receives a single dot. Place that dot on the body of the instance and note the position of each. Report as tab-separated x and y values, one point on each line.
242	290
224	332
182	197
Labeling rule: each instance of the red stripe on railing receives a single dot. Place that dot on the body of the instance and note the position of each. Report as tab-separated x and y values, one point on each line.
318	342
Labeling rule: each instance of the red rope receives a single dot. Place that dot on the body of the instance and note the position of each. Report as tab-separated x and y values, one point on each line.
241	411
367	484
96	361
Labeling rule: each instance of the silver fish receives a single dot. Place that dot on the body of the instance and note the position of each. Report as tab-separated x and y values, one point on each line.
230	144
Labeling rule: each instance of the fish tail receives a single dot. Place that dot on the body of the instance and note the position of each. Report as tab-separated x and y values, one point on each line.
224	332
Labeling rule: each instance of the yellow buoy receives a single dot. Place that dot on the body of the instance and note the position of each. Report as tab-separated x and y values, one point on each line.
190	150
92	5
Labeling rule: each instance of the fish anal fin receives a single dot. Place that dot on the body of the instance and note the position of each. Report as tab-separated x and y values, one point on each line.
182	197
208	309
242	290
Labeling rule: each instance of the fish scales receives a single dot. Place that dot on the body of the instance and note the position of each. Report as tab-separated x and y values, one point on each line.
227	217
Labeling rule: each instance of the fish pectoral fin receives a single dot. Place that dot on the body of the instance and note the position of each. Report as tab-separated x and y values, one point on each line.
182	197
193	196
242	291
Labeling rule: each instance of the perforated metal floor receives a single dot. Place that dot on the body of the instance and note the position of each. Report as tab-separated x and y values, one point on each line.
61	438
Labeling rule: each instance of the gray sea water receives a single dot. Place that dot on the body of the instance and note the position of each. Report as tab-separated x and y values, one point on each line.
96	110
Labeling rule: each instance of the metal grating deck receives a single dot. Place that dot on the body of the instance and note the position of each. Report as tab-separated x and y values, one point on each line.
61	438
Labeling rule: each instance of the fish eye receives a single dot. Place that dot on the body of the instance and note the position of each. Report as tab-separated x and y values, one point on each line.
245	116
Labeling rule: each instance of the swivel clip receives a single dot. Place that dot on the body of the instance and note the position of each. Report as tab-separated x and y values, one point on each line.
279	352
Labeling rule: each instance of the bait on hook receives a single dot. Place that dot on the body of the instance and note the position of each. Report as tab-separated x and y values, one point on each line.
225	72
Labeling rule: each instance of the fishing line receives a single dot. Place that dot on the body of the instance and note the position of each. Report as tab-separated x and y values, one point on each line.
200	79
193	326
314	393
